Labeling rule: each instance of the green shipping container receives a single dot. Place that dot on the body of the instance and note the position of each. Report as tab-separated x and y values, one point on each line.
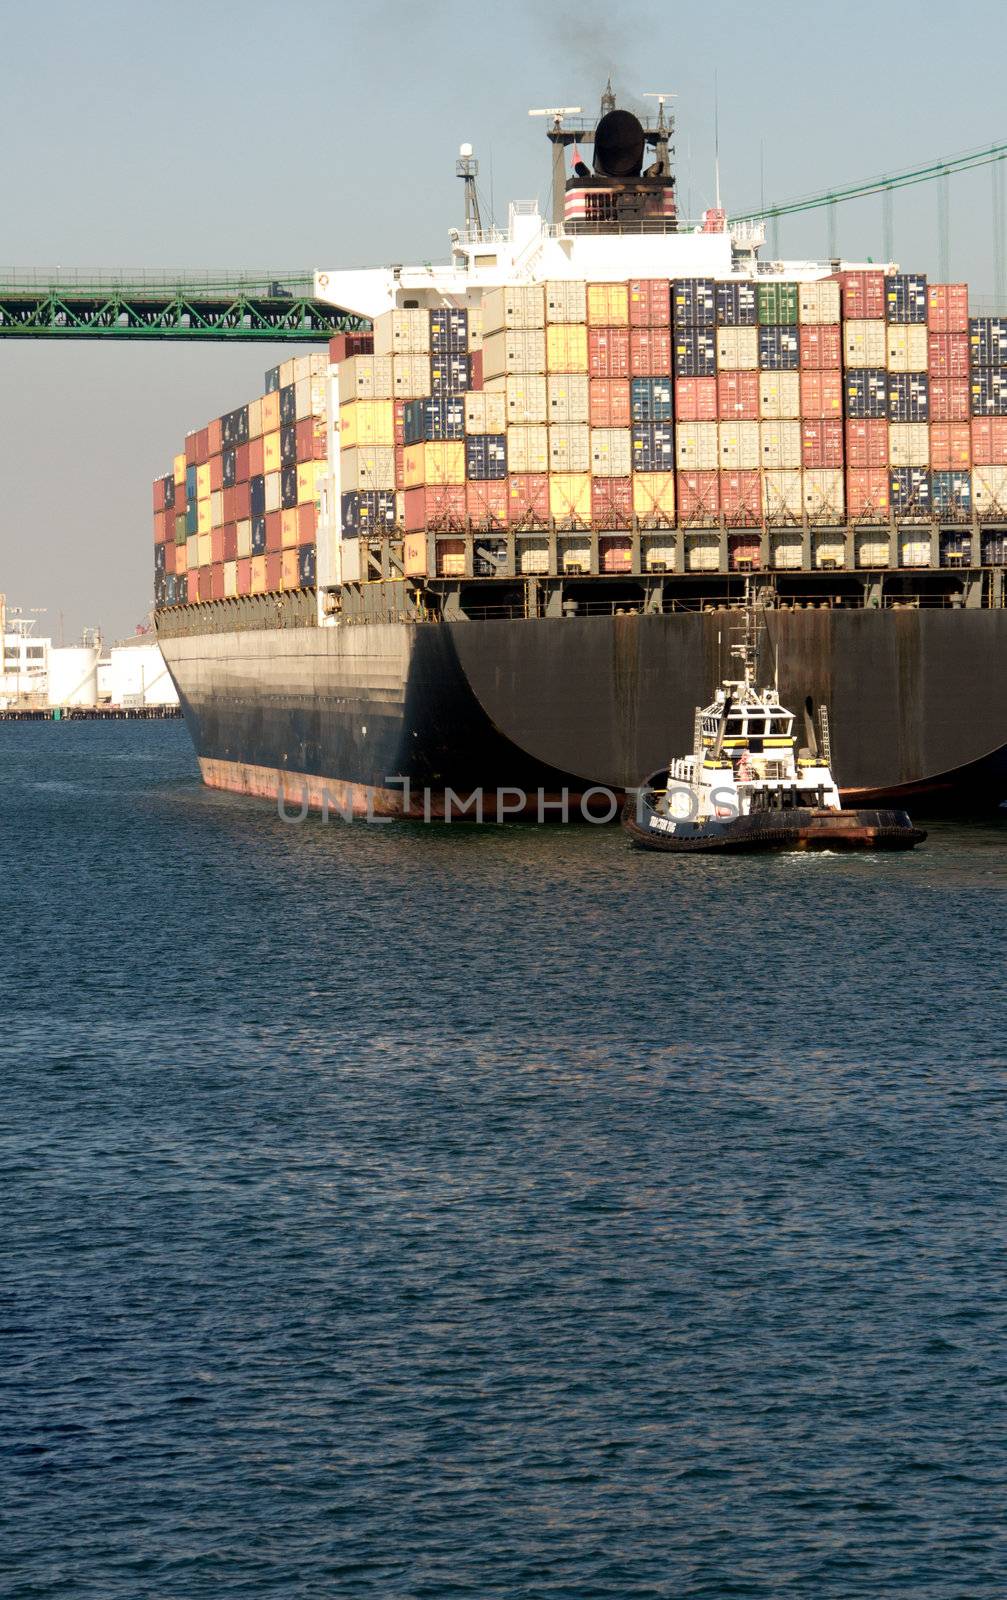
180	528
777	302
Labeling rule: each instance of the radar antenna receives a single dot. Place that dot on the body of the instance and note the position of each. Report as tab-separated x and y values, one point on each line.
467	168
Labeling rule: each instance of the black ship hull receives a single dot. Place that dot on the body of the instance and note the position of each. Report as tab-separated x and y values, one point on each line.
916	702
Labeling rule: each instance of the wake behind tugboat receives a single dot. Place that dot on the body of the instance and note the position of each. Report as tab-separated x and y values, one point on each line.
744	787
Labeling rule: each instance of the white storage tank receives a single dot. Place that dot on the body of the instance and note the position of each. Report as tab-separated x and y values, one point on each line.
139	677
73	675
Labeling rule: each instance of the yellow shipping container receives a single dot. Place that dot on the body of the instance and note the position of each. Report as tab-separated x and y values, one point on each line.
654	496
437	461
255	419
415	562
203	522
288	527
366	422
244	534
608	305
203	550
270	412
230	579
779	396
369	466
288	570
179	472
217	509
566	347
271	451
202	481
257	575
570	497
308	475
907	348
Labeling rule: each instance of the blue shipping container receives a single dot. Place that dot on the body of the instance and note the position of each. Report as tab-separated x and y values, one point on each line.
435	417
288	403
737	306
951	492
651	399
306	565
988	341
866	391
908	397
159	558
229	468
910	490
449	331
989	391
779	350
257	495
259	536
695	352
450	374
271	380
694	303
190	483
906	297
368	511
182	590
653	447
485	456
288	488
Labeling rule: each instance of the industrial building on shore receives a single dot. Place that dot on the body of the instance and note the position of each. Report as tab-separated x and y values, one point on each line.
35	673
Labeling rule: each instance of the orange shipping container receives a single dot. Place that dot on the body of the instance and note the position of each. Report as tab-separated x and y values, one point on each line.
257	575
615	554
741	500
698	498
866	443
950	400
288	570
274	567
486	503
948	355
307	521
696	399
288	528
989	441
608	352
821	393
528	498
867	493
737	396
950	446
649	304
244	575
863	295
270	411
948	308
650	352
214	437
820	345
821	442
609	403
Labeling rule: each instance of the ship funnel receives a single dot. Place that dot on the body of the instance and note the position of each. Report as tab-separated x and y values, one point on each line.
619	145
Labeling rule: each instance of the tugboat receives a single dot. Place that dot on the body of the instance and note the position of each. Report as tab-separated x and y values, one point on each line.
746	787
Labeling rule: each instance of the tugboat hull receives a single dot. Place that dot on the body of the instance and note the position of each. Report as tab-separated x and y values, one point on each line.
797	829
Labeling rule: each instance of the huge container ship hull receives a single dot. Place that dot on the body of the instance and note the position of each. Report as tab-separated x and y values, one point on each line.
343	715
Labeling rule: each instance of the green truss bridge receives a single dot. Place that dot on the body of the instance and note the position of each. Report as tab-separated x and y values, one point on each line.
267	308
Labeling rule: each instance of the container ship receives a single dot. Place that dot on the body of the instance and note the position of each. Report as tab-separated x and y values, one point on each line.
493	545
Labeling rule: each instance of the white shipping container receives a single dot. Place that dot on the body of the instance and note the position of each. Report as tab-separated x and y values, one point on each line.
402	333
780	444
740	448
570	447
515	350
369	466
523	395
830	550
914	548
989	490
527	448
565	301
302	398
568	396
518	305
611	452
737	349
532	556
818	302
907	347
485	412
659	556
825	494
909	444
864	343
872	551
475	327
410	377
782	496
702	552
785	552
366	378
576	557
697	446
779	396
272	491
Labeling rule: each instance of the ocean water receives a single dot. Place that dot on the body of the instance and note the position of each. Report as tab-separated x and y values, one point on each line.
413	1212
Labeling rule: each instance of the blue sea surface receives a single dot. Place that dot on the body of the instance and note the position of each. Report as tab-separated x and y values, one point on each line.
497	1212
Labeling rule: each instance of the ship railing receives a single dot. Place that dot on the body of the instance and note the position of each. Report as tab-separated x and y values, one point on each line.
719	603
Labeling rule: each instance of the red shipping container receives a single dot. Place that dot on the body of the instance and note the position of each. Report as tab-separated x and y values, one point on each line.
437	505
216	473
649	352
274	531
528	498
230	542
989	441
612	501
741	498
158	494
649	303
950	446
244	575
821	393
476	370
820	345
615	554
202	447
169	556
696	399
241	463
866	443
215	436
191	452
863	294
486	503
698	496
948	355
949	400
744	551
737	396
345	345
230	503
304	439
867	493
256	457
216	545
948	308
821	442
274	569
307	521
608	352
242	502
610	403
202	583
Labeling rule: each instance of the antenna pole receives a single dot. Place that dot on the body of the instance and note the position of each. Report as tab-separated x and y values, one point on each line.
716	137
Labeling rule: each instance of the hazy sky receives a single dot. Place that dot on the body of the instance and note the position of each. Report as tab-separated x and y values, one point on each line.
300	135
